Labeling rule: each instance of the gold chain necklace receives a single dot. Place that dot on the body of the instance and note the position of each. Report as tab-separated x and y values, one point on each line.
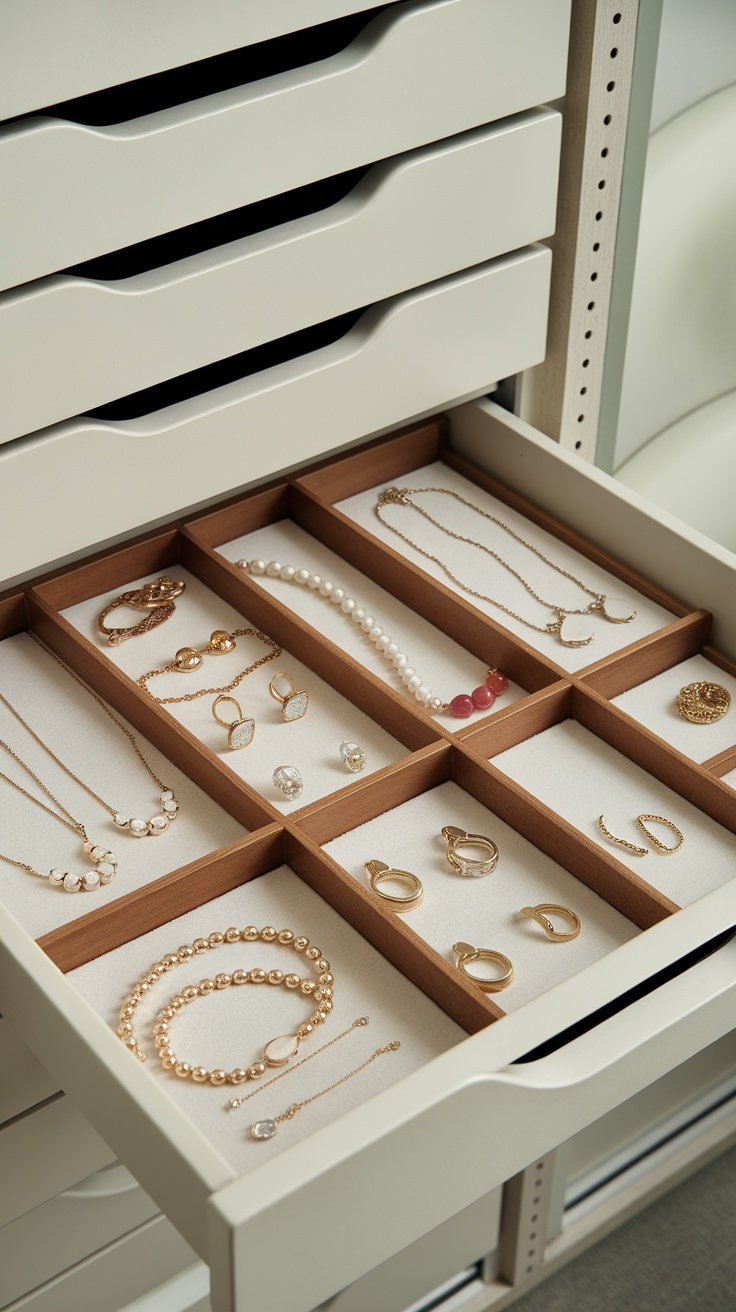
106	862
169	807
570	631
188	659
266	1129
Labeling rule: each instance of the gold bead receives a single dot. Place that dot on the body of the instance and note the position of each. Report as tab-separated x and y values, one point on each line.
326	977
286	936
200	945
237	1076
160	1040
206	985
308	986
308	1028
170	960
232	935
127	1012
275	976
125	1028
223	981
250	934
177	1002
154	975
216	939
200	1075
183	1070
321	994
168	1013
186	950
190	993
313	954
143	987
168	1060
301	944
258	1068
268	933
130	1042
240	977
218	1077
322	964
325	1005
292	981
257	976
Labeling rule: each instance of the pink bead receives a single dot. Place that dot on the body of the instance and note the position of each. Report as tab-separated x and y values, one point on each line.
483	697
462	706
497	681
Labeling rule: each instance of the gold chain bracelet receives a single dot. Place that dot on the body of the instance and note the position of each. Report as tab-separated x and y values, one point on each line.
188	659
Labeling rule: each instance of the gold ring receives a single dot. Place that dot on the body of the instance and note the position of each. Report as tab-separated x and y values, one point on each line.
703	702
537	913
380	872
471	867
294	702
657	842
241	730
465	953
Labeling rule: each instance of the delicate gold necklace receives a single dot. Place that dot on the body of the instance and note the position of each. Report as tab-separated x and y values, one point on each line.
567	626
138	828
105	861
188	659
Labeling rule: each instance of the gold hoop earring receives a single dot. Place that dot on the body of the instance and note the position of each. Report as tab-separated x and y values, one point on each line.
557	936
465	953
241	730
294	703
470	867
656	842
379	873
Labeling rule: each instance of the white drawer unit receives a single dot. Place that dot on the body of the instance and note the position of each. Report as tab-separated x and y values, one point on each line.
237	256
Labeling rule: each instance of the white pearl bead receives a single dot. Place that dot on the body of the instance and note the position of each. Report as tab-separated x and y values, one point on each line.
392	650
367	623
414	683
242	564
287	572
359	614
400	660
408	673
273	569
301	576
422	694
347	606
337	595
325	588
383	642
434	704
375	633
258	567
314	581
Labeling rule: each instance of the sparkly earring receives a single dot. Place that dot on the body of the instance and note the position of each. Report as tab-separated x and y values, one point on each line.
294	701
241	730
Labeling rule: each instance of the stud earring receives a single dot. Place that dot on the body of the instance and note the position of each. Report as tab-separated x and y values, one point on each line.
294	701
353	756
289	780
241	730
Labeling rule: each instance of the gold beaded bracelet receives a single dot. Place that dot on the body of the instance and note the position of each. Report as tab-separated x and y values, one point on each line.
277	1051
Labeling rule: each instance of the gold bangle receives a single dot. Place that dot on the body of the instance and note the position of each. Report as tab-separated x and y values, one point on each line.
465	953
703	702
538	913
472	867
380	872
156	598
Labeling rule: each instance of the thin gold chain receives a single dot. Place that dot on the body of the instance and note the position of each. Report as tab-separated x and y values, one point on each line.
76	826
297	1106
209	692
238	1102
402	496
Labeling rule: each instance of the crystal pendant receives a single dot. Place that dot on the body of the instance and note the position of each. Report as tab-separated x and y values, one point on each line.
263	1129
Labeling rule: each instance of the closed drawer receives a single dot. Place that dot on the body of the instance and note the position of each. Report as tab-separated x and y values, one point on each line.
42	59
77	190
380	1169
44	1152
409	221
24	1081
63	1231
455	337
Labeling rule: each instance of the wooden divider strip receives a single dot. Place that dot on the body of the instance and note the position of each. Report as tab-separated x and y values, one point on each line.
721	763
337	477
144	909
521	721
720	659
176	742
615	883
649	656
240	515
387	932
657	757
115	569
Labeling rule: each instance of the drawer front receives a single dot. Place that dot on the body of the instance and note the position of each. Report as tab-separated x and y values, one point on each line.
453	338
43	60
65	1230
78	191
24	1081
46	1151
410	221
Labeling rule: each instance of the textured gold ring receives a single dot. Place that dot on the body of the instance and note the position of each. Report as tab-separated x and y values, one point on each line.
541	913
472	867
466	954
379	873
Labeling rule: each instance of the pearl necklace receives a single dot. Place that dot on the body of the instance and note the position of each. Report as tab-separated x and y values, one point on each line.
461	706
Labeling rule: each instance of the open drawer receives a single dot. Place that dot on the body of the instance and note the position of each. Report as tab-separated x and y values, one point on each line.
482	1084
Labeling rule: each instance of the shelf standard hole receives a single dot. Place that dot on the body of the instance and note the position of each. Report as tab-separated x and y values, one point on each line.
596	245
601	184
578	445
580	418
540	1166
531	1252
608	119
617	18
604	152
589	333
535	1217
610	86
529	1270
599	216
585	364
533	1235
591	305
614	52
583	390
536	1201
593	277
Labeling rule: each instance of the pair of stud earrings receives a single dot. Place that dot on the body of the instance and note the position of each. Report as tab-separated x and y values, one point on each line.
241	730
289	780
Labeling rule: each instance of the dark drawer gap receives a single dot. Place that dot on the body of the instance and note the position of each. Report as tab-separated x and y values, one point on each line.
207	77
211	376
